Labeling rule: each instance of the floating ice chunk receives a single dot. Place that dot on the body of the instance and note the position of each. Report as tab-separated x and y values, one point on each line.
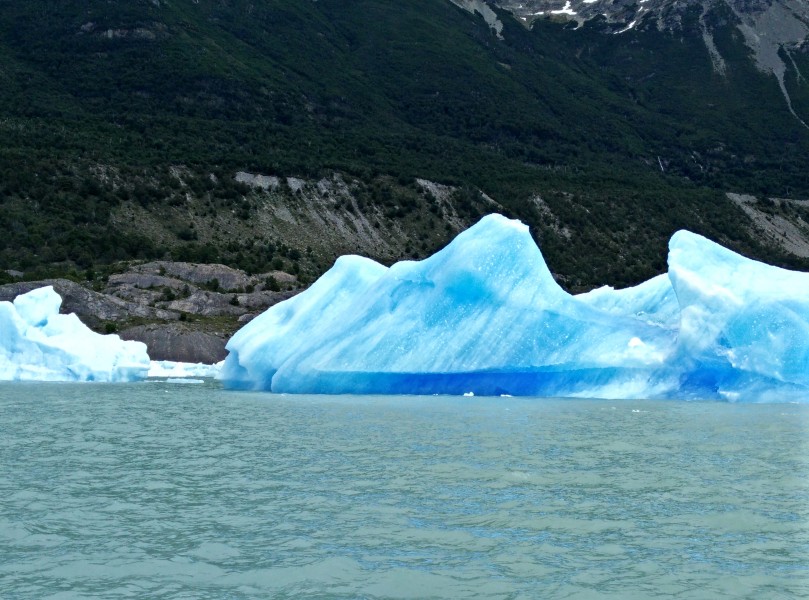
485	314
167	368
38	343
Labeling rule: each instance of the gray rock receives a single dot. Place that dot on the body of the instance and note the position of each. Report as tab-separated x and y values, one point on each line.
265	182
206	304
229	279
213	304
261	301
91	307
173	341
282	277
138	296
147	280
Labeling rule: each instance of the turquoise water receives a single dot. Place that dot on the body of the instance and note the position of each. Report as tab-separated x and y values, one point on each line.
156	490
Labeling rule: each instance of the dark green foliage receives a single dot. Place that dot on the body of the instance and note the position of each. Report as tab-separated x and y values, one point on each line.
98	98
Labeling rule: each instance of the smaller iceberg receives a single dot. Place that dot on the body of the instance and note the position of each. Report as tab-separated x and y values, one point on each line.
39	344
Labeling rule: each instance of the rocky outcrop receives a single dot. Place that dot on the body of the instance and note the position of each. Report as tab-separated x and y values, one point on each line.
183	322
224	278
485	11
93	308
208	304
774	221
265	182
179	343
145	281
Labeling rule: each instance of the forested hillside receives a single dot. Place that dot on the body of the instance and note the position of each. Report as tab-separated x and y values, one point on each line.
123	125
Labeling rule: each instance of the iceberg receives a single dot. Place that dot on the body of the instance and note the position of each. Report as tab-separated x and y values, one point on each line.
485	316
39	344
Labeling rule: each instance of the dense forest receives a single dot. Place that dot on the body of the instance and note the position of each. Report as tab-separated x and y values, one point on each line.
604	144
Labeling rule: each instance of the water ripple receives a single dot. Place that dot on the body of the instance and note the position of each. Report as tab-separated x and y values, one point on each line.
158	491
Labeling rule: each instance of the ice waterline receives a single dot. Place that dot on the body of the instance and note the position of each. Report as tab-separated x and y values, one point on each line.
484	315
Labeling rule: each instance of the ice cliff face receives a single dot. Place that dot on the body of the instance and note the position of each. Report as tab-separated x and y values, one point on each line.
484	315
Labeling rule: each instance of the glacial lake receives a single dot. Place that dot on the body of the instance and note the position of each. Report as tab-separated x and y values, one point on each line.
157	490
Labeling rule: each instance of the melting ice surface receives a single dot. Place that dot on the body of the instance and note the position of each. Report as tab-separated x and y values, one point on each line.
484	315
38	343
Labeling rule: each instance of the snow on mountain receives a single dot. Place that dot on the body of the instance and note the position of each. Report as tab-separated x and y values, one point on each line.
773	29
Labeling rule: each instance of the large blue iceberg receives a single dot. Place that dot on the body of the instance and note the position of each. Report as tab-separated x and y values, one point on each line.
39	344
484	315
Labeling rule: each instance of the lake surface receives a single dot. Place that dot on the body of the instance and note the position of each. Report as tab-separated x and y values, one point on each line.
156	490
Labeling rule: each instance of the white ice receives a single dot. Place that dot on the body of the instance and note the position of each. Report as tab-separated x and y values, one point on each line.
565	10
178	370
37	343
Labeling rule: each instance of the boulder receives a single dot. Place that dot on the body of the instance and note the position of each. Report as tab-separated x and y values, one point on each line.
176	342
229	279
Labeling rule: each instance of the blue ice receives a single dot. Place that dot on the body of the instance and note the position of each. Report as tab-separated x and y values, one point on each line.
484	315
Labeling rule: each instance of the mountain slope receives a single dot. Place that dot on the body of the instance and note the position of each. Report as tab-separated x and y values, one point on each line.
110	110
774	30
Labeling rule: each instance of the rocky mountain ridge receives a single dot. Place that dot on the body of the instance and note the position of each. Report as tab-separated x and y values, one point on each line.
275	136
774	30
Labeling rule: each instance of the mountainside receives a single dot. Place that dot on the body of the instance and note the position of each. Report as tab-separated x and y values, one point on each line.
277	135
774	30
